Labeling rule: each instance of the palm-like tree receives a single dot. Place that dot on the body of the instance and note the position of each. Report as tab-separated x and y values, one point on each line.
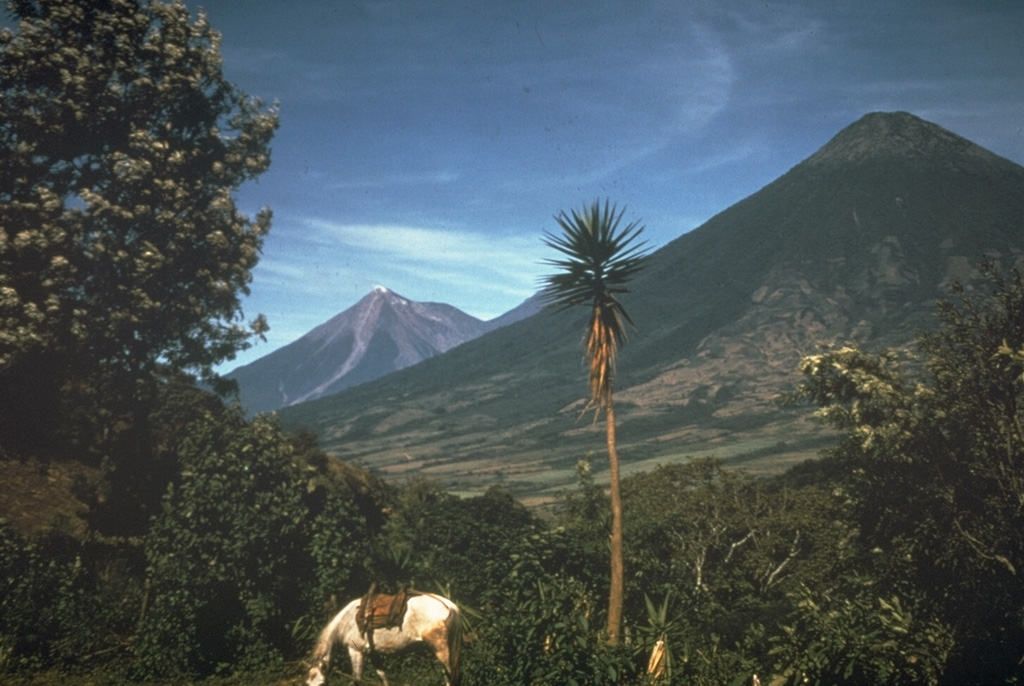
598	259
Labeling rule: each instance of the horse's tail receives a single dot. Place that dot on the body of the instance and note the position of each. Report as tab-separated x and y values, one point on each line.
454	631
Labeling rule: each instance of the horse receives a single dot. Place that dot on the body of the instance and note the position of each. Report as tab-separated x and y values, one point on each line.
428	619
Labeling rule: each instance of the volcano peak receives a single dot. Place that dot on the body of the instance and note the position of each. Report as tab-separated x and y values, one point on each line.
890	135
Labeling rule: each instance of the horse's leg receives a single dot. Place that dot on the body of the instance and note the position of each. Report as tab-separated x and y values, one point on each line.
441	652
437	639
357	663
378	667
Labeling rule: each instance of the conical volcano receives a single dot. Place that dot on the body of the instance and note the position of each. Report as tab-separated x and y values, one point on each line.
855	243
378	335
870	229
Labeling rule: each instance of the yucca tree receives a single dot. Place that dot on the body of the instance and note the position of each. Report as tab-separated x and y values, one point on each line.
597	260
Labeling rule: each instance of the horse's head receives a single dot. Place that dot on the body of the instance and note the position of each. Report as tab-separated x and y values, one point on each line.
317	676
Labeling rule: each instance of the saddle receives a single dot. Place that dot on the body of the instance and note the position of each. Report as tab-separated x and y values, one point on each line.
381	610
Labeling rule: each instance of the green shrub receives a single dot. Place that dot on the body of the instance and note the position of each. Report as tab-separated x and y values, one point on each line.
53	610
338	548
547	633
860	639
259	539
227	560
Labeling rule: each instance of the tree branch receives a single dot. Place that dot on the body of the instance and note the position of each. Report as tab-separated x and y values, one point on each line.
737	544
793	550
979	548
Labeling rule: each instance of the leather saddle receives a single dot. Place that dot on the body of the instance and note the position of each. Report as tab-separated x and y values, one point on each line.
381	610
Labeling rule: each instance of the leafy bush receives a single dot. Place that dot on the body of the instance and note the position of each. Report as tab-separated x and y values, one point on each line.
460	543
53	610
861	640
933	454
227	560
259	536
550	635
338	551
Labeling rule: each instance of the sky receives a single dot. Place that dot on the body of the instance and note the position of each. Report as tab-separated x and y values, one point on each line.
427	145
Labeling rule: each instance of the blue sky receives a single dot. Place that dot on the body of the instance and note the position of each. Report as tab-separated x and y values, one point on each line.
425	146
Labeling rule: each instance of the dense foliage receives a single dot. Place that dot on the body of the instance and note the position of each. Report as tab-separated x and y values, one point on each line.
121	144
934	461
221	560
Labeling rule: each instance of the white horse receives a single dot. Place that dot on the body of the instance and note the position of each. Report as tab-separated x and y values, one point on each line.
429	618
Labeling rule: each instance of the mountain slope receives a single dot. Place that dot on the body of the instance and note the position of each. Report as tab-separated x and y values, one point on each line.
527	308
380	334
854	243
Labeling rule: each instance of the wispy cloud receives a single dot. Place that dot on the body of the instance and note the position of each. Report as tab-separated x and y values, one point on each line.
423	244
435	178
484	274
731	154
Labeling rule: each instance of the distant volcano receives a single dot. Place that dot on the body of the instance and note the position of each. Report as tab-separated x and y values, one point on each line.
380	334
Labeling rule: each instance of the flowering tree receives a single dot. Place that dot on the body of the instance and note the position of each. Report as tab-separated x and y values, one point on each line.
121	247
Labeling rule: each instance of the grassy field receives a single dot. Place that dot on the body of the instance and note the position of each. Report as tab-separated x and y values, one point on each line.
536	473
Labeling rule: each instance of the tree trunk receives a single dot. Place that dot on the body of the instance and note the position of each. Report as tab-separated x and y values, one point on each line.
617	593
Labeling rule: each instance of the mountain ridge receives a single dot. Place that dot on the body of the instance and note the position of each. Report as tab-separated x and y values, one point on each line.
842	247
